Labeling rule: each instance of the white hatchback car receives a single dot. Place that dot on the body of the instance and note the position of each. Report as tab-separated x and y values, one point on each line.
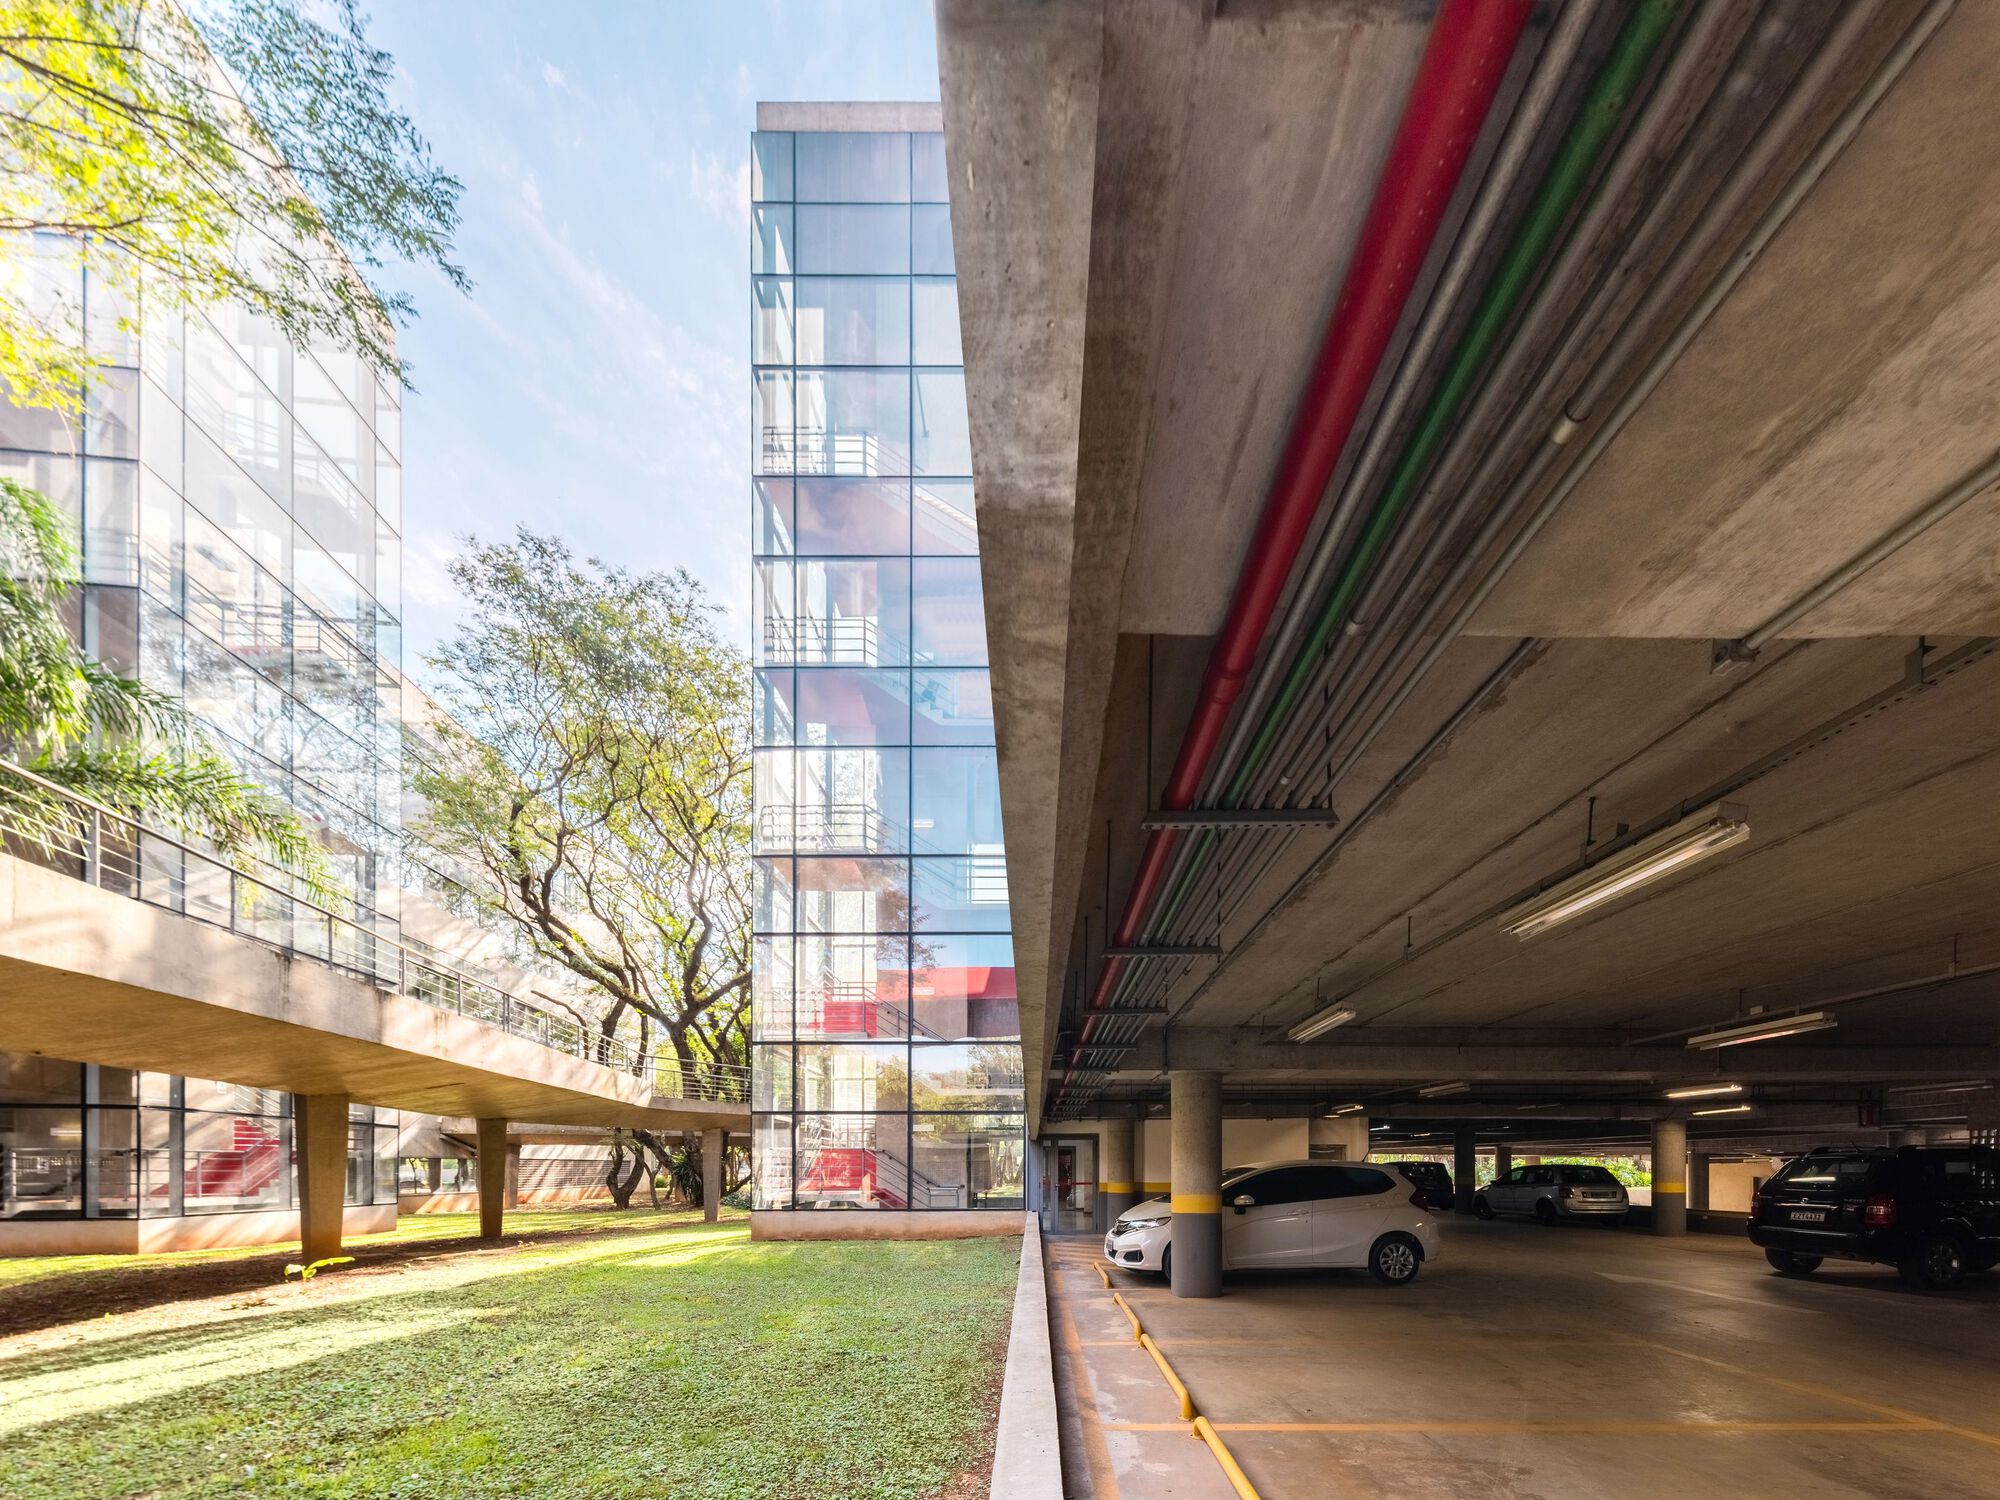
1282	1214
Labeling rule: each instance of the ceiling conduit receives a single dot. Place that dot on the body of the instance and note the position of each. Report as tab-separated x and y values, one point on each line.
1470	46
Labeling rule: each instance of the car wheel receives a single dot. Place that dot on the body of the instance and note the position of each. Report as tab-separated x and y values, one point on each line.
1394	1259
1791	1263
1167	1264
1481	1207
1937	1265
1545	1211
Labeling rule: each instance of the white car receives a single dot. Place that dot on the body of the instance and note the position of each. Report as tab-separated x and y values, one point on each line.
1281	1214
1554	1191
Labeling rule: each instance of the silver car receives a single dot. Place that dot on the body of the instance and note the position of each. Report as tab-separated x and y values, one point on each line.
1553	1191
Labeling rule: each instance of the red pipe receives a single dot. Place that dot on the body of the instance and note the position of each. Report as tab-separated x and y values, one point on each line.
1470	45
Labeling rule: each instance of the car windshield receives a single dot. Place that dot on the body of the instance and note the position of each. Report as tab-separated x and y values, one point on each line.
1595	1176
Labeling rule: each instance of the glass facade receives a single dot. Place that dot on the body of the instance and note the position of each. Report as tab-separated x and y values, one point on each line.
84	1142
886	1056
239	504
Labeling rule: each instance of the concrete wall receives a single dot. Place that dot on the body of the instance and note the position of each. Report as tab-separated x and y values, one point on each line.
20	1237
1730	1183
1242	1141
882	1224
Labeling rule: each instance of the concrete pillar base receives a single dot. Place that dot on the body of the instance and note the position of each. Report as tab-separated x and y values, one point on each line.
711	1174
1117	1168
1195	1269
492	1178
1670	1171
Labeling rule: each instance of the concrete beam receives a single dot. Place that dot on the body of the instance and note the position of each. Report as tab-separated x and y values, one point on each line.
97	977
1359	1057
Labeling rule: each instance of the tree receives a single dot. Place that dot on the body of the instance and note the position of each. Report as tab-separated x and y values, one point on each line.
592	774
79	724
263	185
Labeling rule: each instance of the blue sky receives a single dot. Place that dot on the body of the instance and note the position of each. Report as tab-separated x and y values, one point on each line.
595	383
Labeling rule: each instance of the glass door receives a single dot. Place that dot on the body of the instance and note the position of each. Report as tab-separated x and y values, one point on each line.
1069	1184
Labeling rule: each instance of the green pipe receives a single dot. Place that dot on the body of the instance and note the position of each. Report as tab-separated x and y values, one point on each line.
1589	133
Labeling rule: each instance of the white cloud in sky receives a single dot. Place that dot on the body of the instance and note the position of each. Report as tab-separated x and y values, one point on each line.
554	76
722	190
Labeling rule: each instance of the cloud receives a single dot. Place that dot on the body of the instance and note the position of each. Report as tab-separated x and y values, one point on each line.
554	76
723	191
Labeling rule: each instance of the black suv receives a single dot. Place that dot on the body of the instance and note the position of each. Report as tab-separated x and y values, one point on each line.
1931	1212
1431	1180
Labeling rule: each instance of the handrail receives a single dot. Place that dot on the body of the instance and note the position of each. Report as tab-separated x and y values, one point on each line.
148	865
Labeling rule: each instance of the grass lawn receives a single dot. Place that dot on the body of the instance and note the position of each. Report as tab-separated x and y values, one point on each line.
615	1355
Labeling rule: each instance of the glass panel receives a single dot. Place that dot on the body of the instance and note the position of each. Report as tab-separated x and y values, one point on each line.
771	1161
841	706
934	313
850	240
930	240
854	422
774	713
944	518
959	1076
948	612
231	1163
110	521
963	894
943	442
952	707
772	907
853	1075
771	240
927	175
853	985
854	896
963	987
853	320
777	638
772	794
852	801
854	613
772	503
853	166
28	1078
772	323
771	420
771	165
771	987
852	1161
111	414
41	1163
955	802
771	1077
867	517
968	1161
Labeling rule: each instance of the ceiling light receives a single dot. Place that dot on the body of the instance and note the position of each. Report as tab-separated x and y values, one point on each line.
1438	1090
1322	1021
1767	1029
1672	849
1967	1086
1704	1090
1378	1129
1345	1109
1721	1109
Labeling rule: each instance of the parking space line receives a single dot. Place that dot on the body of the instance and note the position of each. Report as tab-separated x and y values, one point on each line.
1826	1393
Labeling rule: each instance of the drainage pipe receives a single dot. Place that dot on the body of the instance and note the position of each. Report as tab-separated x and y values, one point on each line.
1470	46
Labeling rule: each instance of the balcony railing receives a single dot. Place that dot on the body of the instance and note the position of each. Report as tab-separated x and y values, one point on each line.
72	835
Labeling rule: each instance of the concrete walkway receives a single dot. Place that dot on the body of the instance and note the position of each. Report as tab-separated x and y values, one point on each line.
1557	1364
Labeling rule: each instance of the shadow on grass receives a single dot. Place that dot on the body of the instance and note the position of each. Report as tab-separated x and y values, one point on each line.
65	1298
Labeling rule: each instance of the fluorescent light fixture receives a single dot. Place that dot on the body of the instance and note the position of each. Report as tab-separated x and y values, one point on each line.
1704	1090
1709	831
1965	1086
1345	1109
1322	1021
1765	1029
1378	1129
1721	1109
1438	1090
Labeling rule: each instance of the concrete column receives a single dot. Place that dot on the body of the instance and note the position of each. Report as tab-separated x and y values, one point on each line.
434	1172
1698	1181
711	1173
1117	1167
1670	1172
1503	1160
319	1137
1195	1101
1464	1168
492	1177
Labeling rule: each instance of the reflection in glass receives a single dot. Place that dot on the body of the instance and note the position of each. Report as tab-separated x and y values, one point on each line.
930	240
927	175
847	706
771	240
771	165
964	986
851	985
959	894
968	1161
771	1161
942	443
852	1161
854	422
944	519
948	612
966	1075
840	239
934	315
853	1075
854	613
951	707
853	516
853	166
853	895
854	320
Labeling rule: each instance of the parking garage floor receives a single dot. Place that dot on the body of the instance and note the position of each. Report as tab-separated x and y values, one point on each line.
1559	1364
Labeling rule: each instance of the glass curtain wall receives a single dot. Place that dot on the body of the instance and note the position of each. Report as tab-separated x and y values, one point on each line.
886	1058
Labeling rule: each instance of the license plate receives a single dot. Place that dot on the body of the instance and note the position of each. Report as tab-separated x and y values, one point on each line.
1808	1216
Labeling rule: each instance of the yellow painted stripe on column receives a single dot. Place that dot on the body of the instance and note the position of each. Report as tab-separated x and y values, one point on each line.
1118	1187
1670	1187
1197	1203
1156	1187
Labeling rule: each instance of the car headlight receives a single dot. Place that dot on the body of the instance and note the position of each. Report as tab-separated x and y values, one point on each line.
1126	1226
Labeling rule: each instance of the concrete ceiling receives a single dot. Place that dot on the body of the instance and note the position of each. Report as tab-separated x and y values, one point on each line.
1153	205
